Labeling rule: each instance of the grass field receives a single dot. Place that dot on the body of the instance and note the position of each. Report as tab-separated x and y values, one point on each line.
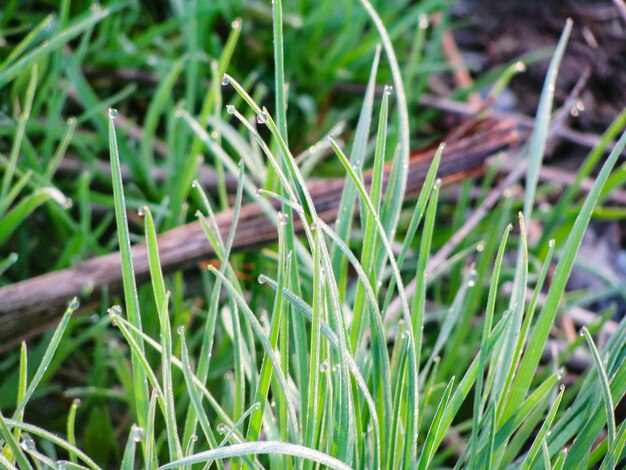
380	340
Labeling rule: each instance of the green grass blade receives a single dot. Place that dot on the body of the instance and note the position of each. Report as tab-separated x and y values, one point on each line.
542	123
491	304
161	299
71	427
47	357
357	157
52	438
429	445
541	435
7	178
605	387
295	433
399	184
260	447
412	408
128	272
254	427
12	444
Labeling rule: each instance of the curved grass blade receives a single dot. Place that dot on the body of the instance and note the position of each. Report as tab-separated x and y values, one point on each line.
604	386
53	438
266	347
399	183
260	447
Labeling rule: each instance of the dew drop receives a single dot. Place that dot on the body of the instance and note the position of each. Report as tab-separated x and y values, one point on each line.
225	80
137	433
94	318
76	402
28	443
222	428
194	438
236	24
283	218
520	66
273	404
324	366
260	118
195	184
313	226
74	304
480	247
142	211
388	90
113	113
180	330
115	310
230	109
423	21
261	279
61	465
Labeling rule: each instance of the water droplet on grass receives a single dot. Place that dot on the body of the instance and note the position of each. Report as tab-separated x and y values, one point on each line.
236	24
115	310
423	21
180	330
137	433
225	80
113	113
74	304
260	118
230	109
388	90
28	443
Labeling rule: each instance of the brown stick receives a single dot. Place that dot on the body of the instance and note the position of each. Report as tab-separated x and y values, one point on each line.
29	307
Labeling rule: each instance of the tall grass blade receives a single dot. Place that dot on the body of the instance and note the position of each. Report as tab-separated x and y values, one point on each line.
128	273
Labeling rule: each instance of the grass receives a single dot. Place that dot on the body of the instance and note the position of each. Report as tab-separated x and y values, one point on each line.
294	355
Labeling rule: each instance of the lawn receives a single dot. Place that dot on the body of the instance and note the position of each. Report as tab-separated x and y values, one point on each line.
254	234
